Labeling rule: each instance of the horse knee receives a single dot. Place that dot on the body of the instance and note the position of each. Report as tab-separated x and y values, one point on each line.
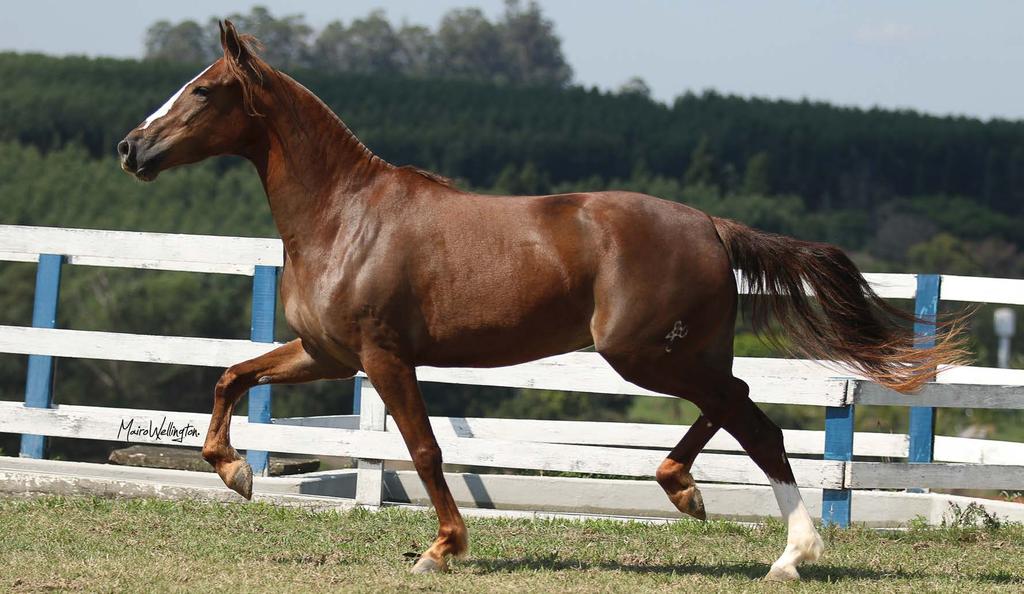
426	457
228	382
225	380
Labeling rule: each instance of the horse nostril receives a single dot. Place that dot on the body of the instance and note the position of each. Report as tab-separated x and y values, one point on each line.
126	149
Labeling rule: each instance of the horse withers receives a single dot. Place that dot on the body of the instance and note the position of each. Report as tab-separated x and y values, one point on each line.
387	268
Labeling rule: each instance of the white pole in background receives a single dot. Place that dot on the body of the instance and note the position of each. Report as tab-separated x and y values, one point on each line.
1005	321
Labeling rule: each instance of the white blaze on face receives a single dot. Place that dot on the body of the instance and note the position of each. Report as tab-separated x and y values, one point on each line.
166	107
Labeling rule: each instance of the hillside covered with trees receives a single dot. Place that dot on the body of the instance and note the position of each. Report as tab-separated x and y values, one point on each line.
901	191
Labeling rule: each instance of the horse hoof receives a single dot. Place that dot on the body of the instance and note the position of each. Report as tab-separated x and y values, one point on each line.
238	477
690	502
428	565
782	574
696	505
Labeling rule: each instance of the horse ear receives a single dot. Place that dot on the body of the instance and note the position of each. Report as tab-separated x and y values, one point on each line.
234	48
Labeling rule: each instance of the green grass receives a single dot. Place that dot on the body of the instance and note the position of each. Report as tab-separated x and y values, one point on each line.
98	545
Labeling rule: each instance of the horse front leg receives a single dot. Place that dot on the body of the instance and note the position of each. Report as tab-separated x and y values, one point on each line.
287	364
395	381
674	473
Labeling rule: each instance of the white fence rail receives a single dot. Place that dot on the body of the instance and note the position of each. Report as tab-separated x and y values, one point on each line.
601	448
156	251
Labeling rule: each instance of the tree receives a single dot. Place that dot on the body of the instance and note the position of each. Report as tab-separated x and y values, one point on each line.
183	42
635	86
330	47
897	233
1000	258
508	180
532	51
419	51
368	45
470	45
702	168
756	177
526	181
943	254
531	180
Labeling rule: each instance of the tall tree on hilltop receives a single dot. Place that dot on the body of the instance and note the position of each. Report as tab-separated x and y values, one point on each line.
533	52
419	51
635	86
368	45
470	45
186	41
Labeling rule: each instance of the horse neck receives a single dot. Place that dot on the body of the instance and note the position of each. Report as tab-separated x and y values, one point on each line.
313	168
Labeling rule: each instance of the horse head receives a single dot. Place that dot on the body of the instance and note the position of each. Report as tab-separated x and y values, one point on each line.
212	114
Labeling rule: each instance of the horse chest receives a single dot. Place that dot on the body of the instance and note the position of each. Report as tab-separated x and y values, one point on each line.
314	316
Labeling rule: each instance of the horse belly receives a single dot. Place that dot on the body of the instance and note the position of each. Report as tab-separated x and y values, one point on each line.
507	328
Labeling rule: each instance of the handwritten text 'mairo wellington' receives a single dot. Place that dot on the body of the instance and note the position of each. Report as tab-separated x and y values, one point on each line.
149	431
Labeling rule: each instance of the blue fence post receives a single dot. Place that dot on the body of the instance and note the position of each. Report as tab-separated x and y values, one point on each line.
39	384
357	394
922	418
835	503
264	304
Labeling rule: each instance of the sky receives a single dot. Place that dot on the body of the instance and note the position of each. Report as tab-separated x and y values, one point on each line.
936	56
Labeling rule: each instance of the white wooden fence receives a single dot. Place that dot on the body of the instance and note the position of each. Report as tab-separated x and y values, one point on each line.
834	461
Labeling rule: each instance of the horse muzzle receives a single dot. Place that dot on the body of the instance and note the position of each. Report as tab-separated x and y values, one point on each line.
137	158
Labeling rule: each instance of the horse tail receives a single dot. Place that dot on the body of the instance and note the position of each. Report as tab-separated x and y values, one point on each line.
849	323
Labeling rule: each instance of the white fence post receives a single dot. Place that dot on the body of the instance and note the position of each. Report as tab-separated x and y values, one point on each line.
372	416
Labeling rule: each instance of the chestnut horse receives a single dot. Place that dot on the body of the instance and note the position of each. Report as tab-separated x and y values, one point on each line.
387	268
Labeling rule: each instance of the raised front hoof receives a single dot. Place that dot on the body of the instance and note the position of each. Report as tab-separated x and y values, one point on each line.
782	574
690	502
695	505
237	476
429	565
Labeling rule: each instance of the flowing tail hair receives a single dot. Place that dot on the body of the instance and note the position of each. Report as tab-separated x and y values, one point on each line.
847	323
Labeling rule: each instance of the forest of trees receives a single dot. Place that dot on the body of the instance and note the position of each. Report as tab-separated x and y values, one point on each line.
905	190
901	191
520	48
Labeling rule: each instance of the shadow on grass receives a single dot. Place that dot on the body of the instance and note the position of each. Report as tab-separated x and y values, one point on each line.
749	570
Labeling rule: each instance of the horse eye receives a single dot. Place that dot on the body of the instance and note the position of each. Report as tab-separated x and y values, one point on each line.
201	91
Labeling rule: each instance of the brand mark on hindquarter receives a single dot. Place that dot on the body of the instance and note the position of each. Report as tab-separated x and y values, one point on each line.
679	330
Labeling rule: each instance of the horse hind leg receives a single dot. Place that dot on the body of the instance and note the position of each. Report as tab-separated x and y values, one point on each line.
724	401
684	376
763	442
